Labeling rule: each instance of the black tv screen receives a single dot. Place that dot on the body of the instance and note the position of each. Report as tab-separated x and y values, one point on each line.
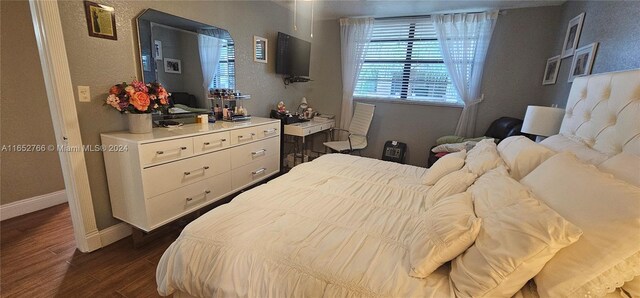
293	55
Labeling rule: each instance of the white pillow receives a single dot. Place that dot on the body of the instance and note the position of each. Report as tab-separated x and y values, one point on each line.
445	165
445	231
608	212
455	147
573	144
519	234
452	183
522	155
623	166
483	157
633	287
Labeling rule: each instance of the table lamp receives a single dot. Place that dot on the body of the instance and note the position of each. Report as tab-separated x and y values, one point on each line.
542	121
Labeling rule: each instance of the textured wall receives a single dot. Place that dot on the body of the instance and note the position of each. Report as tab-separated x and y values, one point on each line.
99	63
25	117
515	63
614	24
511	81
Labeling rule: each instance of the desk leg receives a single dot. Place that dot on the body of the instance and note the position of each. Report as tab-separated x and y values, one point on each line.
304	147
327	139
295	151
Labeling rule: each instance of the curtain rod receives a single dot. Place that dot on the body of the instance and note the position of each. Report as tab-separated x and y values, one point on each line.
500	12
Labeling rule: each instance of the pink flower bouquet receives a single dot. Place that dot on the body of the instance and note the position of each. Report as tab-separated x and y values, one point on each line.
138	98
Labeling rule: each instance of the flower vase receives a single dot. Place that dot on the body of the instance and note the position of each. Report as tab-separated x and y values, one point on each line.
140	123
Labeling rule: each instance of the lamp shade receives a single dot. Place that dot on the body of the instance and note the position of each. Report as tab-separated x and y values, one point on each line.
542	121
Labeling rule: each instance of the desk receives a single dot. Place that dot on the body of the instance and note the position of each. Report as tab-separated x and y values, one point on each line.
304	129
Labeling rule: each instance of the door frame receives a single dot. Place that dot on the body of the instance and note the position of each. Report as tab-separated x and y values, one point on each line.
57	77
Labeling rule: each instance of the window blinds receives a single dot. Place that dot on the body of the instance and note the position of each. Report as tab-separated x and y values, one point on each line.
225	75
404	61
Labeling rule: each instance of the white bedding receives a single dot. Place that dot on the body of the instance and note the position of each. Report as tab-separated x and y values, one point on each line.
337	226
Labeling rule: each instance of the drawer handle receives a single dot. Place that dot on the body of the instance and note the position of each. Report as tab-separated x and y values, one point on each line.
259	152
203	169
162	152
206	192
250	136
219	141
271	130
258	172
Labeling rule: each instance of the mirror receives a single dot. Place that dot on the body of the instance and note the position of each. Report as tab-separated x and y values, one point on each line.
185	56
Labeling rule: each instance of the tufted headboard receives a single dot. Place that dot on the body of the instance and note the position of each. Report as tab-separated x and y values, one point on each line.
603	111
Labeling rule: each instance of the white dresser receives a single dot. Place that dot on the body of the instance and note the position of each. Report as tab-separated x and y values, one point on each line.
171	172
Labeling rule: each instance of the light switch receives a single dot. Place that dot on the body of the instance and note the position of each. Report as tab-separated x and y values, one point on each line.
84	94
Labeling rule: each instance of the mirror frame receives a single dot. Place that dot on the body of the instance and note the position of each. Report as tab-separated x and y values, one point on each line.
140	58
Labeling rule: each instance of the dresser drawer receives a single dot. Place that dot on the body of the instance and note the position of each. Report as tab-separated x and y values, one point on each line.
243	135
165	151
163	178
268	130
245	154
211	142
171	205
254	171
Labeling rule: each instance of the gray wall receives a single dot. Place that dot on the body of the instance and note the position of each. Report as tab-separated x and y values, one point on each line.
24	111
99	63
515	63
181	45
614	24
171	48
512	80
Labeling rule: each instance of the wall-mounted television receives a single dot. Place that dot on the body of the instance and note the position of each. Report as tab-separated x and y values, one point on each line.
292	57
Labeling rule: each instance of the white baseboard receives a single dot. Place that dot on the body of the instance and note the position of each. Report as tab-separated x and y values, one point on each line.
114	233
29	205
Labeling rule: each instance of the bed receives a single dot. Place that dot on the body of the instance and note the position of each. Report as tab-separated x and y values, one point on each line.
343	225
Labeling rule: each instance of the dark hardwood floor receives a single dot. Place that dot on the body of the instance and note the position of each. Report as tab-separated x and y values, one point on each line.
38	258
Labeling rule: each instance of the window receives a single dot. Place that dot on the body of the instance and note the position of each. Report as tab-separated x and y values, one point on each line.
225	75
403	61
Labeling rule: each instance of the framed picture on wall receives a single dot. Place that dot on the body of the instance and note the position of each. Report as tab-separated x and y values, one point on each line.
572	36
101	20
583	61
157	49
551	70
172	65
260	45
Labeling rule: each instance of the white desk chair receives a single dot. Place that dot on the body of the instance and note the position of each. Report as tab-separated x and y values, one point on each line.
357	132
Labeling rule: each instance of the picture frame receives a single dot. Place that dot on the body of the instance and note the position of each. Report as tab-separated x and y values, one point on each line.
260	49
101	20
551	70
172	65
157	49
583	61
572	36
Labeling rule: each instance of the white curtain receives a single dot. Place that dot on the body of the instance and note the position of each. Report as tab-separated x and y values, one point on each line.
355	35
210	49
464	40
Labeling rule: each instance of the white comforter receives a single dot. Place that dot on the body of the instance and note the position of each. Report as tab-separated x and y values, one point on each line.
337	226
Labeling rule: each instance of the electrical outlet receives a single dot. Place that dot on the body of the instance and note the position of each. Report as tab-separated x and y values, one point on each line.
84	94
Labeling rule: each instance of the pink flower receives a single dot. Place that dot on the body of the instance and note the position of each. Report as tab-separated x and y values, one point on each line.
139	86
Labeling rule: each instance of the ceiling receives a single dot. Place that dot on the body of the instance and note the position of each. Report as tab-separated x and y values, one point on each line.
335	9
